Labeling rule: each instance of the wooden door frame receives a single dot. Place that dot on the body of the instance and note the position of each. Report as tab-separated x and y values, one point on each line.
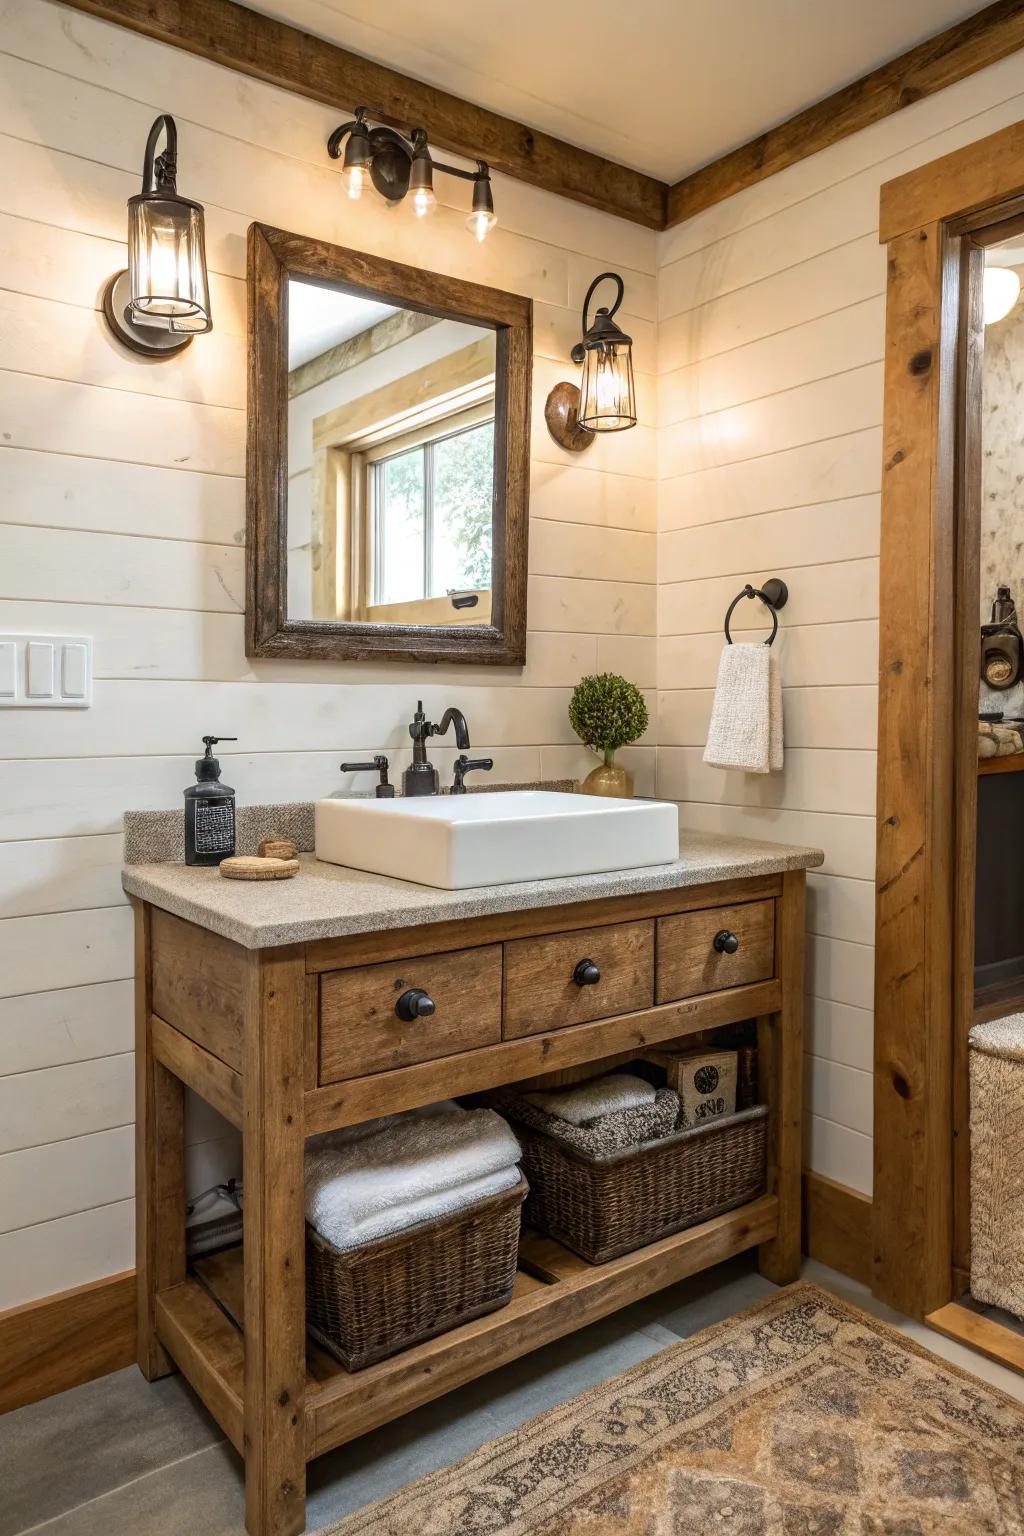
932	221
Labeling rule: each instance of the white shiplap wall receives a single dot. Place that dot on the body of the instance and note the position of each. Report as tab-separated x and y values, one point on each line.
770	343
122	517
758	330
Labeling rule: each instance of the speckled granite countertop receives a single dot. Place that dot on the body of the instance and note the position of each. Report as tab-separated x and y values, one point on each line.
327	901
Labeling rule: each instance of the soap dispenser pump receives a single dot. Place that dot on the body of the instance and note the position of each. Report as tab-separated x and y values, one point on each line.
209	811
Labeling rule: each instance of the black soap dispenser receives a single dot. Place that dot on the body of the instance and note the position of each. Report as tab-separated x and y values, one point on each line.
209	811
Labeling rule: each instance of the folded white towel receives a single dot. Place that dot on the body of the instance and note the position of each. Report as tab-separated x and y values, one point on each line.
345	1235
351	1133
746	716
408	1168
592	1100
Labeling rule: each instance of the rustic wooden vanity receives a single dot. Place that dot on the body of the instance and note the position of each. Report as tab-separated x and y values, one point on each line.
278	1006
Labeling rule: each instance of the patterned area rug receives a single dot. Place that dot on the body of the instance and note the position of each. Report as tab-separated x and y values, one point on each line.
799	1417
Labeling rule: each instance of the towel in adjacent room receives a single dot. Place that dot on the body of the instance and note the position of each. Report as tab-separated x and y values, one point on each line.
593	1099
410	1168
746	716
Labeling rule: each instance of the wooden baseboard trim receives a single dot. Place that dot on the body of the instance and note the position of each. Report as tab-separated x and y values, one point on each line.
62	1341
837	1226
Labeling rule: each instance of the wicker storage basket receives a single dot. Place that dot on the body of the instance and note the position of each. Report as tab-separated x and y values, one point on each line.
603	1207
996	1054
371	1302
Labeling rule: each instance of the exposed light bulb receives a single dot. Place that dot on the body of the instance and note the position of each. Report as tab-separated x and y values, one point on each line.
354	178
1000	292
480	222
423	202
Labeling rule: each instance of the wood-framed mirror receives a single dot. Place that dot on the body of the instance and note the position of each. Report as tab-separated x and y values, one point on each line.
387	468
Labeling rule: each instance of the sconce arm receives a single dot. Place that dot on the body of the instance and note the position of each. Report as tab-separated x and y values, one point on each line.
341	133
482	170
604	313
160	172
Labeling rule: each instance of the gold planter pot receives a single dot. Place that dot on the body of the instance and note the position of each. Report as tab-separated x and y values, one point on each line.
608	779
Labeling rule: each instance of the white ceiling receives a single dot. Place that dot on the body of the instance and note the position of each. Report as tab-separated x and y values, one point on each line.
661	85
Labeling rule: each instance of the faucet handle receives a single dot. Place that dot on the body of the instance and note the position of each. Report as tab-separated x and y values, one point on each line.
384	790
464	765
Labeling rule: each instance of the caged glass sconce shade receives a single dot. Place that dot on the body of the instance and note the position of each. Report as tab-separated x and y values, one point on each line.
607	392
606	398
163	299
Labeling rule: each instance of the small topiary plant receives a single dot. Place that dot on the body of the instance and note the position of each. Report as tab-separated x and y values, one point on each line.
607	712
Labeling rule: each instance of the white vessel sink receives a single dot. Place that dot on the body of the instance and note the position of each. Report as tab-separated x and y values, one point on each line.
457	841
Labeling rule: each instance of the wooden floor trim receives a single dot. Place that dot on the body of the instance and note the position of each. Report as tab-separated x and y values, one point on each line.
989	1338
61	1341
837	1226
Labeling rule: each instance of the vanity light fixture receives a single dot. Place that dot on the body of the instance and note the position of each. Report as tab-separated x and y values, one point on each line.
162	300
395	165
606	398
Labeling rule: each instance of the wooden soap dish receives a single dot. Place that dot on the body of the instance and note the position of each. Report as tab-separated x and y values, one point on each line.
249	867
276	848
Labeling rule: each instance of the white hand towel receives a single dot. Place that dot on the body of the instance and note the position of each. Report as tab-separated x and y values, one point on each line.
403	1163
774	712
592	1100
746	716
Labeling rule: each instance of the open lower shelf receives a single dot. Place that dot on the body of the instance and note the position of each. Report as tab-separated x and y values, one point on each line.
200	1324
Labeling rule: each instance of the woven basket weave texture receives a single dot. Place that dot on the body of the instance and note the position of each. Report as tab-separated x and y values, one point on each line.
997	1163
604	1207
369	1303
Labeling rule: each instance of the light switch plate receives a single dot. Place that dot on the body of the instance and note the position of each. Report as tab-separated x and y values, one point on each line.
45	671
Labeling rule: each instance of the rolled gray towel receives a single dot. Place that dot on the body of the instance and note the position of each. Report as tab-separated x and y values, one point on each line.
612	1133
595	1099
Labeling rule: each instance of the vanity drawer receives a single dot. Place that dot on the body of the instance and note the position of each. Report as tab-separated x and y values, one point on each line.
361	1030
689	962
542	994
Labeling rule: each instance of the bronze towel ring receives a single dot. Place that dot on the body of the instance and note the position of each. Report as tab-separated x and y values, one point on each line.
774	594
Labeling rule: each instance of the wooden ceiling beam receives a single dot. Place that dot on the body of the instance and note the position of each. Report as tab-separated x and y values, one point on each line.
270	50
969	45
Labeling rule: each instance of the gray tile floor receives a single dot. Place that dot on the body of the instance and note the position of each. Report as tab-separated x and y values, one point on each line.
119	1457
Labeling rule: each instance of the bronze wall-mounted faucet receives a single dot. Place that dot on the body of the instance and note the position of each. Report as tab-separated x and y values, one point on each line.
421	777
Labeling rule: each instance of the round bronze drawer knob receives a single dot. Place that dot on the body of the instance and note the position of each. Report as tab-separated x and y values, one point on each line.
414	1004
586	974
725	942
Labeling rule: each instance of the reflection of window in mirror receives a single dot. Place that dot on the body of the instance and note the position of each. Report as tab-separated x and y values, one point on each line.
390	462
